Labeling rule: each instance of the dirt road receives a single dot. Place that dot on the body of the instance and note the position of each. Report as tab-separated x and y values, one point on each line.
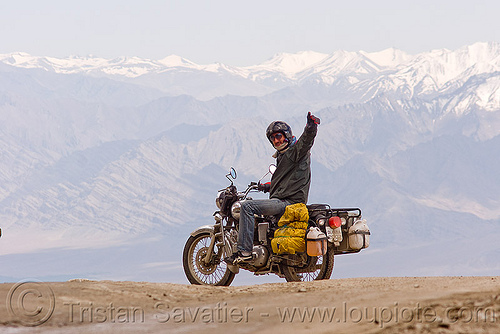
357	305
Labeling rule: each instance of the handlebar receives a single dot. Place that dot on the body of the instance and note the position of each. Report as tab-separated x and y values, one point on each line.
251	186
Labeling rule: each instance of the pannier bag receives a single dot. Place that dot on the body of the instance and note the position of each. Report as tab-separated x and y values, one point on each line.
359	235
290	236
316	242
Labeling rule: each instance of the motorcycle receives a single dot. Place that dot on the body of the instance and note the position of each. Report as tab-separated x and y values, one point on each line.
344	232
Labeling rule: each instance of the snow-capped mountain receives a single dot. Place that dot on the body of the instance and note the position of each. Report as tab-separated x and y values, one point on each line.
121	154
384	71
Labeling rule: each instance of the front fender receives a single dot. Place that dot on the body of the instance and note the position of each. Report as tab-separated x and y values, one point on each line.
203	229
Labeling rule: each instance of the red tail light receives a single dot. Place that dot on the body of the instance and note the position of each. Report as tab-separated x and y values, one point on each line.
334	222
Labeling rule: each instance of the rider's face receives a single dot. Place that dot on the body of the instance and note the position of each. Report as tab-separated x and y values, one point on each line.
277	138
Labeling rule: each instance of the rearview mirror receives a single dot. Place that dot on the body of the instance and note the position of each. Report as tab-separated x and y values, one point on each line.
232	172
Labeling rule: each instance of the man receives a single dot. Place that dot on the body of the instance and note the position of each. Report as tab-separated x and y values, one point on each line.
289	184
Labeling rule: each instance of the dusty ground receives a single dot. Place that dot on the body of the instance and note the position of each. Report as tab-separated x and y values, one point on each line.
359	305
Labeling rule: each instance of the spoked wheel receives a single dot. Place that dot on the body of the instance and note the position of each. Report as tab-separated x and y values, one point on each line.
197	269
320	267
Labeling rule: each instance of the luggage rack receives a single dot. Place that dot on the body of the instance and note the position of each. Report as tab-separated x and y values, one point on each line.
331	212
349	215
346	212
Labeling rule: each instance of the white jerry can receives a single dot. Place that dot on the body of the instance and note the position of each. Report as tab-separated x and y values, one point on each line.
359	235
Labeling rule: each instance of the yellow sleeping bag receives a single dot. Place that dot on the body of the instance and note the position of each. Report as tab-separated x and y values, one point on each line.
290	237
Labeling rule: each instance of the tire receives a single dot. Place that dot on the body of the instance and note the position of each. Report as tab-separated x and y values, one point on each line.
324	269
197	272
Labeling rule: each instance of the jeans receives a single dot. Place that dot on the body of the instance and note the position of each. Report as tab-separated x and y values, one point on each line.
249	208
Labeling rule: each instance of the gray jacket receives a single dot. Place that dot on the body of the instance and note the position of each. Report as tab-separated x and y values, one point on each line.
292	178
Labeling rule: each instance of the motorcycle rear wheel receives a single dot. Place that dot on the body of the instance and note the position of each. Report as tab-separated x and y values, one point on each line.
197	271
324	269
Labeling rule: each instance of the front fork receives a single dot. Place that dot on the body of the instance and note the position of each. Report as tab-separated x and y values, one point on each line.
210	251
223	243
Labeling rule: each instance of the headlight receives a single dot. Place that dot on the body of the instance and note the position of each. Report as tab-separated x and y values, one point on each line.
235	210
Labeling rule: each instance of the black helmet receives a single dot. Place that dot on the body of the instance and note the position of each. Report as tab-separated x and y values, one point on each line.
279	126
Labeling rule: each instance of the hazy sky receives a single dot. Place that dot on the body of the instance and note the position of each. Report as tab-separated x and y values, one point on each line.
238	32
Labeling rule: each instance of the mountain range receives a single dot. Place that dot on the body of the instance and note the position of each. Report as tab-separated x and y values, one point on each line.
108	164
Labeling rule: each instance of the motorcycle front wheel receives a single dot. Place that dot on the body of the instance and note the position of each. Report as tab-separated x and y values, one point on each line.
320	267
197	270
